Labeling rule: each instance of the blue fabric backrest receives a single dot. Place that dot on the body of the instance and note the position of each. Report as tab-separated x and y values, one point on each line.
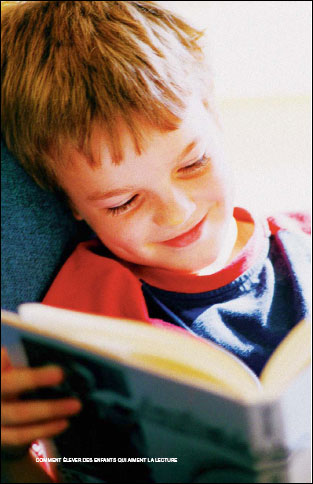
38	234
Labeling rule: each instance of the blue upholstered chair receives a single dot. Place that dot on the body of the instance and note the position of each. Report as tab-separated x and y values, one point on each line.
38	233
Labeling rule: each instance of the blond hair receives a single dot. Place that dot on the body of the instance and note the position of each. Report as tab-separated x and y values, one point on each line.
69	64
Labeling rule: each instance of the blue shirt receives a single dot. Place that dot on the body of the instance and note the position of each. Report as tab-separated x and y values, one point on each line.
250	315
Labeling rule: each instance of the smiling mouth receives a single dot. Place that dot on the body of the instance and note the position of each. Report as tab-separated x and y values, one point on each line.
188	237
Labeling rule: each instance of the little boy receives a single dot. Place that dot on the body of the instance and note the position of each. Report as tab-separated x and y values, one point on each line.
110	105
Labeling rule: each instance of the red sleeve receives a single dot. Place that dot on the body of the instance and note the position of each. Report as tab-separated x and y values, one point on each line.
291	221
95	284
89	282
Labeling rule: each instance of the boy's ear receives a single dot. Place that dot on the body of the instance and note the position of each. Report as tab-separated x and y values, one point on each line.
74	210
76	215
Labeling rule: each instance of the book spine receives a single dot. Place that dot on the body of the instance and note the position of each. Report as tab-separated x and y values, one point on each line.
266	429
276	460
283	425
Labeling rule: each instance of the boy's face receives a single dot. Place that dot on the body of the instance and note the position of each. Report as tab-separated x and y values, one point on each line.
168	208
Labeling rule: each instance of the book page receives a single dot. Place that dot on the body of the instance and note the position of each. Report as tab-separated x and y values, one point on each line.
288	360
174	355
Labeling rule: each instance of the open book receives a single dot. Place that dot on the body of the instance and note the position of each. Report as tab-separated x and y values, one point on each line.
181	409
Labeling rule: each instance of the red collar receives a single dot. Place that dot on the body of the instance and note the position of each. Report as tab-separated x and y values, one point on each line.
193	283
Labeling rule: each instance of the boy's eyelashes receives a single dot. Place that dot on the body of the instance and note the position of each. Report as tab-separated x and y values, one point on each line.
121	208
195	167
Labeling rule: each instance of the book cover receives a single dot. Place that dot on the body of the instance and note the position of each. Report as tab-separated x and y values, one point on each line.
154	428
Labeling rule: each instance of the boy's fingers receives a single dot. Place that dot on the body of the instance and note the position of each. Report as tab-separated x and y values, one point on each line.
15	413
18	380
5	360
17	436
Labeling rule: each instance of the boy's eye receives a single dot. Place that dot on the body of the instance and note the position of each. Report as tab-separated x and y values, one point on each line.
196	166
122	208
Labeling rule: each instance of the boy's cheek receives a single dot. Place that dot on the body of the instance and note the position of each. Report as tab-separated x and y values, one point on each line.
222	189
117	240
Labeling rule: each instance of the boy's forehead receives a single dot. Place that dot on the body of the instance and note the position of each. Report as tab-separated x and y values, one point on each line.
196	124
160	151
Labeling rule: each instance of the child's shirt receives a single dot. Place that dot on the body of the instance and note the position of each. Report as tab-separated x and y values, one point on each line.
247	307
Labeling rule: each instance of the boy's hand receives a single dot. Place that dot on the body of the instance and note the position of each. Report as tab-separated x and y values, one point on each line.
22	422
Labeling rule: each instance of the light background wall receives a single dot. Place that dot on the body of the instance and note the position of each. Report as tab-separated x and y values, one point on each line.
261	54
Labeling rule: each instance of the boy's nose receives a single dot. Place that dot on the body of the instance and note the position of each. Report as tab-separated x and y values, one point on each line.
174	209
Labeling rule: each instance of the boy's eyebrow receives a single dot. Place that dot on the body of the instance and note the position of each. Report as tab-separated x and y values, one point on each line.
120	191
187	149
111	193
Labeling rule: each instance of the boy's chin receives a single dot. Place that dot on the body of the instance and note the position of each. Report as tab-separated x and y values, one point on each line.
190	267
